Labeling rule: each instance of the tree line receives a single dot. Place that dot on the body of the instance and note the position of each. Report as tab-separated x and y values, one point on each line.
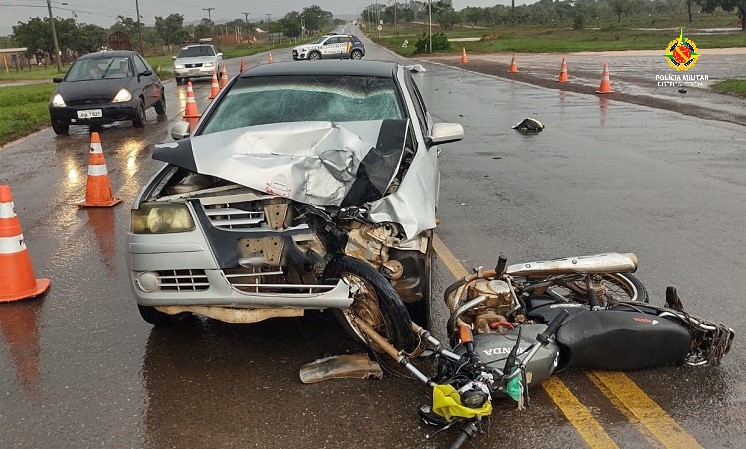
79	38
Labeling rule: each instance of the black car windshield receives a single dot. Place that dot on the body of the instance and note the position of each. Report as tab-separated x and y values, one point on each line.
277	99
99	68
193	52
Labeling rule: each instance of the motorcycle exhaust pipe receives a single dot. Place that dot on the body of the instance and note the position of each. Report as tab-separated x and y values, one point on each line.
595	264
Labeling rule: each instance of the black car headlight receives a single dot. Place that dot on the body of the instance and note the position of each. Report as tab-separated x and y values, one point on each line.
154	218
122	96
58	101
474	394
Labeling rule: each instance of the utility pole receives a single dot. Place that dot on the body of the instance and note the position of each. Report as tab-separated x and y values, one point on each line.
394	18
54	38
269	29
209	17
430	22
248	25
139	32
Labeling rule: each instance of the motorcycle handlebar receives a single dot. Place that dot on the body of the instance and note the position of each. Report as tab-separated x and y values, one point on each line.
544	337
466	432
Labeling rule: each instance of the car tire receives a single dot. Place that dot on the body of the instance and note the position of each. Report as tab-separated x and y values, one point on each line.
139	120
314	56
160	319
356	54
179	80
375	301
60	128
160	105
420	310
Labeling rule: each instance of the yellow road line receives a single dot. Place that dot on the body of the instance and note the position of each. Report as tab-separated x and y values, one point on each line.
650	414
578	415
593	376
575	412
448	258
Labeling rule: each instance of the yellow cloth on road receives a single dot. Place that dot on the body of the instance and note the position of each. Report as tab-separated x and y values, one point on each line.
447	403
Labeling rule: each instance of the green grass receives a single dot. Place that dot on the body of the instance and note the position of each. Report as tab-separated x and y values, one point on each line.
735	86
560	38
23	110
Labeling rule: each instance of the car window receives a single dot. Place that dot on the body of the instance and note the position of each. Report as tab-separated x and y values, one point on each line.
99	68
318	40
278	99
193	52
331	41
144	62
140	65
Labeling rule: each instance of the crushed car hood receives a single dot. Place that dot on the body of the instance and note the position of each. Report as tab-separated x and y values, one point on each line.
316	163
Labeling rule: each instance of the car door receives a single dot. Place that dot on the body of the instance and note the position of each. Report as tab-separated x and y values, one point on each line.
149	84
332	47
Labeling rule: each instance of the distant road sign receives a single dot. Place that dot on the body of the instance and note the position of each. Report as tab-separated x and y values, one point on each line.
379	27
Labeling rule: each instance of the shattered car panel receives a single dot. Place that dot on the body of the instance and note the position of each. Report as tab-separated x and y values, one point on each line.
317	163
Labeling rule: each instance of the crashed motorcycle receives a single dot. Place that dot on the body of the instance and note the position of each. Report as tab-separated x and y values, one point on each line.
514	326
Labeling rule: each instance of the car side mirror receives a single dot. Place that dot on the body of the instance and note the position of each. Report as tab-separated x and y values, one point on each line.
56	80
445	133
173	57
180	130
220	54
146	73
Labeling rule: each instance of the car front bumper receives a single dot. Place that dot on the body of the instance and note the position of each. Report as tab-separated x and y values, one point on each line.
110	112
194	72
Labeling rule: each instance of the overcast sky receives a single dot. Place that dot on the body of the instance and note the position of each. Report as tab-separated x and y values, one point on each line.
104	13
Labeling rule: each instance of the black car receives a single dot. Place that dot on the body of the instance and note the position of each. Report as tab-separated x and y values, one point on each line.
105	87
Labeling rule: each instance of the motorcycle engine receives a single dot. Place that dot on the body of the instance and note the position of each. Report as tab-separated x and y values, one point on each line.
487	318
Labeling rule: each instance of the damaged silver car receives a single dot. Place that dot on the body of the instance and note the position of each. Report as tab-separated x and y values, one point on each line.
302	187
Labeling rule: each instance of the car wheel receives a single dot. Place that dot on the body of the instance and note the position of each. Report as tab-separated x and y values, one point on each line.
356	54
160	105
60	128
139	120
315	56
179	80
160	319
420	310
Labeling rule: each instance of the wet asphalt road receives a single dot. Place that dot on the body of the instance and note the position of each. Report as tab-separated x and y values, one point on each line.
80	369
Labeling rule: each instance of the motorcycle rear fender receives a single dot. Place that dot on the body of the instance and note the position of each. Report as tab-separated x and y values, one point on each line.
595	264
621	340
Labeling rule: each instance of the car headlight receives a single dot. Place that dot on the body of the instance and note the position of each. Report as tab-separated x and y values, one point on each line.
153	218
122	95
58	101
178	66
208	64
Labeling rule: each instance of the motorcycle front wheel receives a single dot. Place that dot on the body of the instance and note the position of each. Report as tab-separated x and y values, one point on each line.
374	301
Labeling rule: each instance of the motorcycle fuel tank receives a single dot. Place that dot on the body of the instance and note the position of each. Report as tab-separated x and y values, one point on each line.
494	348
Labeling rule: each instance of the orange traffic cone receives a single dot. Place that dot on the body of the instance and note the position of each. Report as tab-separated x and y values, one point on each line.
464	59
97	186
269	60
605	86
223	77
513	66
215	88
563	72
242	67
191	114
17	279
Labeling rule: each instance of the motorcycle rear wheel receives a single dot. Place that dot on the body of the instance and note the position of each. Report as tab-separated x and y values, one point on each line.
618	287
374	301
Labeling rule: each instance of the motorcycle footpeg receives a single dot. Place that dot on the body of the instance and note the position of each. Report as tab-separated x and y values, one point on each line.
430	417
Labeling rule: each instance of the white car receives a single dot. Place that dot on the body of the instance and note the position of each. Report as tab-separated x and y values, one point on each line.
196	61
331	46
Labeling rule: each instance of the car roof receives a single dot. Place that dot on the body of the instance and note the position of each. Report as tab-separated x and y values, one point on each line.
108	54
197	45
331	67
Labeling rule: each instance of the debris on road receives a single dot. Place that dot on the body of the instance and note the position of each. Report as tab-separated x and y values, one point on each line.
350	366
529	125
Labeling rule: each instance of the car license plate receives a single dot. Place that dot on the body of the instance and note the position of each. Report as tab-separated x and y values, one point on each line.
90	113
194	71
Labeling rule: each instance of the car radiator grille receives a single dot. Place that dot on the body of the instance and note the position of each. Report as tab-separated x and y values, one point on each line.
182	280
193	66
226	217
251	280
